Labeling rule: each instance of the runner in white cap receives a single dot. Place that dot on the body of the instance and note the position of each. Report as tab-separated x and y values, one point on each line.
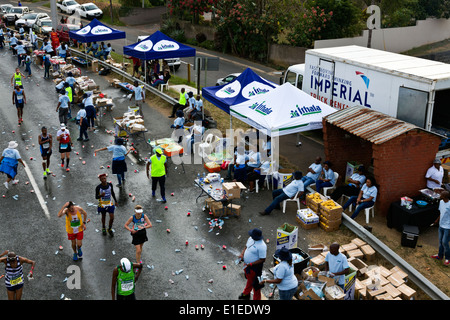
65	145
124	279
140	223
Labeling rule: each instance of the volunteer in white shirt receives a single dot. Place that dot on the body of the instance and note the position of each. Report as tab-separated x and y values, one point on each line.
313	172
336	263
366	198
434	175
288	192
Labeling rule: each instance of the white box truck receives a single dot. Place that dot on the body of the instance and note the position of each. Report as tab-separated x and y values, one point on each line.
411	89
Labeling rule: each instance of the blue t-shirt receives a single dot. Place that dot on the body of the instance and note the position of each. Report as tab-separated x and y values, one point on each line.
64	99
317	168
292	188
330	175
118	151
255	250
179	122
285	272
198	105
337	263
11	153
70	80
138	93
358	177
444	209
369	192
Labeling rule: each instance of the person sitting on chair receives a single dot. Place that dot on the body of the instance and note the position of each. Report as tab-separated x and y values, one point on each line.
288	192
366	198
353	186
326	178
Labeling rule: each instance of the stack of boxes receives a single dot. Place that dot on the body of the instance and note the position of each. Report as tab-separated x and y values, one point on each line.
329	211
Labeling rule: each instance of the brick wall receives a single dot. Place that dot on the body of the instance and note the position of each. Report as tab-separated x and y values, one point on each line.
400	166
342	147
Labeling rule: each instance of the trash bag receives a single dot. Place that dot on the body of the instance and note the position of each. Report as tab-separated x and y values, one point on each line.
104	71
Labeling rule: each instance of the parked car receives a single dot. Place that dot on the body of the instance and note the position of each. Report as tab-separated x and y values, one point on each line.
174	63
14	14
43	26
63	32
67	6
4	9
89	11
30	19
227	79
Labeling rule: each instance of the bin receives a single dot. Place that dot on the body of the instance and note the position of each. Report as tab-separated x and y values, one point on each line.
410	235
298	267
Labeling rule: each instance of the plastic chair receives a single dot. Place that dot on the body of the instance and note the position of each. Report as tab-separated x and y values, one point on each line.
206	147
164	85
296	199
367	211
326	189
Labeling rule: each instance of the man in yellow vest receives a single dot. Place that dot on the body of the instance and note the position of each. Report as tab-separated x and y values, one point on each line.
16	79
158	170
69	92
181	103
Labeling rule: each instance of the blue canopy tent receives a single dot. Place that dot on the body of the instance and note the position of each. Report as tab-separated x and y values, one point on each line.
246	86
96	31
158	46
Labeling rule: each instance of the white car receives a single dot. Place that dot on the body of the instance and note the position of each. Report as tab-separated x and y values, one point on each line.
29	19
43	26
14	14
227	79
174	63
89	11
67	6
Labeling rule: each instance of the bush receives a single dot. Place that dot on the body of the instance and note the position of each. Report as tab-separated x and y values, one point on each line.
200	37
178	35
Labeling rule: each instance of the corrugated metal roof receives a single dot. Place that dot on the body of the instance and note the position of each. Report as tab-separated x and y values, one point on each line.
369	124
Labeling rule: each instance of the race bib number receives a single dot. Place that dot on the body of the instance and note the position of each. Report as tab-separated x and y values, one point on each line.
127	286
46	145
16	281
64	146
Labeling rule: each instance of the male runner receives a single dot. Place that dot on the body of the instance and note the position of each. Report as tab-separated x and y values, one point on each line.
19	99
75	226
104	192
45	144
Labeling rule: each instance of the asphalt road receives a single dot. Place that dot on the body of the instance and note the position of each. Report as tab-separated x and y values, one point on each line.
31	228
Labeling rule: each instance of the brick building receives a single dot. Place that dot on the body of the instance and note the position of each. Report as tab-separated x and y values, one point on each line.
396	153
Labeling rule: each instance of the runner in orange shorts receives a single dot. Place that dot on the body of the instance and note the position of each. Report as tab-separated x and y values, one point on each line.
75	226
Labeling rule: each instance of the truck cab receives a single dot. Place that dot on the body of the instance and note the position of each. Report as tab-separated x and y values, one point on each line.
294	75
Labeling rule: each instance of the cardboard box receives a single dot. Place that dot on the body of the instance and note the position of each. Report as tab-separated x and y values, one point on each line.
400	272
369	252
306	226
318	262
333	211
317	249
330	223
233	209
359	243
287	236
310	272
392	291
328	296
216	208
232	190
396	279
94	65
373	293
307	294
327	228
313	200
359	265
357	253
349	284
349	247
384	296
358	288
407	292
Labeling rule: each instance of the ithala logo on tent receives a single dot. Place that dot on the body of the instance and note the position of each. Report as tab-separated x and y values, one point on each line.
261	108
256	91
143	46
304	111
228	90
101	30
85	30
165	45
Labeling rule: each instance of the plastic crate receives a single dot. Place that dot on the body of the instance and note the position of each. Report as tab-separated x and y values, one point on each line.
298	267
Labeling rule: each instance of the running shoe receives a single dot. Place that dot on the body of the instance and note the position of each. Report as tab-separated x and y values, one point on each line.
45	174
75	257
446	262
15	181
62	165
6	185
104	231
111	233
48	170
436	256
80	253
67	169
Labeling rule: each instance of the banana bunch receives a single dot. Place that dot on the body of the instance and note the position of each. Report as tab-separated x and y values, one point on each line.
315	197
330	204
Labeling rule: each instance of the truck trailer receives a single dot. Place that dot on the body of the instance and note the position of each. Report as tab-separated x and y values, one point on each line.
408	88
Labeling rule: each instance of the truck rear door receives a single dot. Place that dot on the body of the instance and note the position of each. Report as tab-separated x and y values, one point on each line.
325	81
412	106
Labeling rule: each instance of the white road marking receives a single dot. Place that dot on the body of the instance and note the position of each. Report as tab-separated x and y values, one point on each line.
36	190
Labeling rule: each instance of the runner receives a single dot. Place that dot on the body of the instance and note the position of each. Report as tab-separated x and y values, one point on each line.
14	273
119	166
45	144
124	279
19	99
75	226
16	79
65	145
140	223
104	192
9	161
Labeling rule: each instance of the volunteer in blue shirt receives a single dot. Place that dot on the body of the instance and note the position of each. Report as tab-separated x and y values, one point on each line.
444	229
63	108
313	172
119	166
366	198
336	263
353	186
9	161
254	255
20	53
93	48
288	192
284	276
139	96
326	178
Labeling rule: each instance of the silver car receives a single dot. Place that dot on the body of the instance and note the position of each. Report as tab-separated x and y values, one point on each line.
227	79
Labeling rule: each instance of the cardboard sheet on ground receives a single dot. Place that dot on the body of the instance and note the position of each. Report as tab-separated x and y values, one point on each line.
284	110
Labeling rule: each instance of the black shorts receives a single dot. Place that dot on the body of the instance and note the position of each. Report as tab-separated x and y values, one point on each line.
68	149
139	237
107	209
19	105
